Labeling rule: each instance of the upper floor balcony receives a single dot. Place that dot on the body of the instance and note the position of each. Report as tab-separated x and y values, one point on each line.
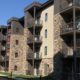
8	32
67	28
68	50
69	75
32	23
3	37
7	46
35	39
2	58
3	48
68	4
36	56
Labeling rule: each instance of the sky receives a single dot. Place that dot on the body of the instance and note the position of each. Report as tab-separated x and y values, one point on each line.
13	8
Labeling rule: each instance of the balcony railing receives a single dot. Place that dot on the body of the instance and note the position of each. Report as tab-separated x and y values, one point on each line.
35	55
68	3
36	39
2	58
38	23
66	28
32	23
70	76
65	5
3	48
3	37
8	46
67	51
32	55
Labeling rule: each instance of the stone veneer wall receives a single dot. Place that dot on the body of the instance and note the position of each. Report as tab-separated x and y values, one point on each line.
59	47
27	33
20	48
45	61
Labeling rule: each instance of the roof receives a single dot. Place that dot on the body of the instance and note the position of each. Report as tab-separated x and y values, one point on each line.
46	4
12	19
39	5
34	4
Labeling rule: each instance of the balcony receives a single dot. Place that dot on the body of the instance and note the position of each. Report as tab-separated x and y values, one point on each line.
66	50
35	39
38	23
8	32
8	46
68	28
3	48
32	23
36	56
69	76
2	58
31	55
3	37
68	4
7	58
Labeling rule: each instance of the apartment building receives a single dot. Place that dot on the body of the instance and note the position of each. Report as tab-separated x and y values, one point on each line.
29	40
45	41
67	22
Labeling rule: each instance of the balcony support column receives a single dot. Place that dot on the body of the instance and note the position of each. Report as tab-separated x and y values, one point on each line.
74	42
33	39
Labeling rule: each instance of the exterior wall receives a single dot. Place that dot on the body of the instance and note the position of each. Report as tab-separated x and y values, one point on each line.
20	60
61	48
27	33
49	41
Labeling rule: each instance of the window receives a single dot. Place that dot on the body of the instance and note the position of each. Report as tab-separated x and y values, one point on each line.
46	16
45	33
45	50
15	68
16	55
17	42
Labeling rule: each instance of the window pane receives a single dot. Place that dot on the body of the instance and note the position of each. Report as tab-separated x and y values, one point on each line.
46	33
16	54
46	16
17	42
45	50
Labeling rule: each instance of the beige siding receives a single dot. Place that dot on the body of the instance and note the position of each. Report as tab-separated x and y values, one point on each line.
50	29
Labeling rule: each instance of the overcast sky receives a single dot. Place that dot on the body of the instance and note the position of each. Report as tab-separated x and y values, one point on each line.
10	8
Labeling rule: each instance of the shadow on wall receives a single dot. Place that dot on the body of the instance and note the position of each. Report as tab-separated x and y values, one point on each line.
57	74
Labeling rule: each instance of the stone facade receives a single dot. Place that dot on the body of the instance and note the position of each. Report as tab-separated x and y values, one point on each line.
17	47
